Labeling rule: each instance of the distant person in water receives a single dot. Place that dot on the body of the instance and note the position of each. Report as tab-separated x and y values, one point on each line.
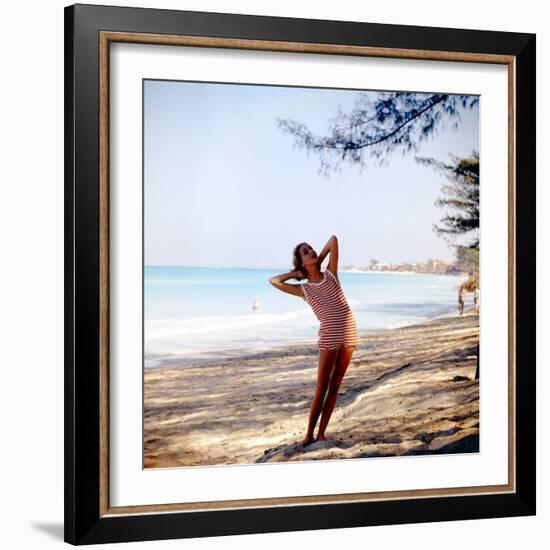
461	299
338	330
256	304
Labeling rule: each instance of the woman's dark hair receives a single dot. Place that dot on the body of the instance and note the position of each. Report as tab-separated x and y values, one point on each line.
297	261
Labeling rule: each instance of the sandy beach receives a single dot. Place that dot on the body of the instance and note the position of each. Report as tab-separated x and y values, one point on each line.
407	391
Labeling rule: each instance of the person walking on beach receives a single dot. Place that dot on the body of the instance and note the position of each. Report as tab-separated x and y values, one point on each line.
461	299
476	299
338	329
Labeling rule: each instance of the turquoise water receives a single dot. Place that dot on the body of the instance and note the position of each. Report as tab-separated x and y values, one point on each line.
194	312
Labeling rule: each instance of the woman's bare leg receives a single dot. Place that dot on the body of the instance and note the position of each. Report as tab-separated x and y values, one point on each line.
340	367
327	358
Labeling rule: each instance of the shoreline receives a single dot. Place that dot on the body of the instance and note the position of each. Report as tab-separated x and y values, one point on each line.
408	390
245	353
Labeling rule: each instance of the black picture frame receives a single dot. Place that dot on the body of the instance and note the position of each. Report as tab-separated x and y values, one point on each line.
88	519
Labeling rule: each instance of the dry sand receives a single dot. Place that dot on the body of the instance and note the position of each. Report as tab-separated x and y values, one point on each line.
407	391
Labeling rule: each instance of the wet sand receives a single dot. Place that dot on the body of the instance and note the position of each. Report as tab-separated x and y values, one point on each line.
407	391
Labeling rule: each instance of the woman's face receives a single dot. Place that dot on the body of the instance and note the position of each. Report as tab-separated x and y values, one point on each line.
308	255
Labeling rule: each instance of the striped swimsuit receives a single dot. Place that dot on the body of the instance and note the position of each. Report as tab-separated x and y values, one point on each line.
326	298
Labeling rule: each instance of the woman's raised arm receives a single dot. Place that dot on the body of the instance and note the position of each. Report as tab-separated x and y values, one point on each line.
278	281
331	248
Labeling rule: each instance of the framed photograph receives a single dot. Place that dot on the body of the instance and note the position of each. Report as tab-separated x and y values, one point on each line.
299	274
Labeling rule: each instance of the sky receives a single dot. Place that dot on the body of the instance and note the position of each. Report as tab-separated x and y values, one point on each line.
224	186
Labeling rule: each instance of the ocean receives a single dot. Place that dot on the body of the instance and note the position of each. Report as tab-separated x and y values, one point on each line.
199	313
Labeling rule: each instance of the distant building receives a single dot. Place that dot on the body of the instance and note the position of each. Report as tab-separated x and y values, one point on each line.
437	267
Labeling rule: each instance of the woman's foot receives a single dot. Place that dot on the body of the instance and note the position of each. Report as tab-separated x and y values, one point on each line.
321	437
307	440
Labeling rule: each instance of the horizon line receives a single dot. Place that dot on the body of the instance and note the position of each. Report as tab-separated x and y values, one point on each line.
289	267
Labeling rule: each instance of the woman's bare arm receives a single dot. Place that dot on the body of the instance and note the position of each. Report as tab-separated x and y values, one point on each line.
331	248
278	281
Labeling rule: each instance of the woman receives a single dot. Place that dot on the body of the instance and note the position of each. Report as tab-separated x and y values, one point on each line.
338	330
